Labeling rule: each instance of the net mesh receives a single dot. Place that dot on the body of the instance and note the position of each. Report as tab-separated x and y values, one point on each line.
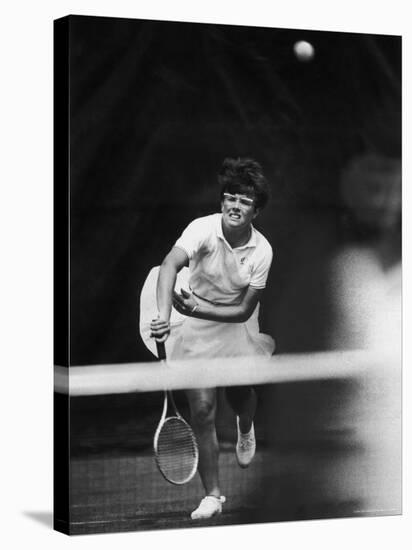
327	426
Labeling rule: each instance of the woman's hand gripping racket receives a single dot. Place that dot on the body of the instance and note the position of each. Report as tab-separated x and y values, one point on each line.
175	446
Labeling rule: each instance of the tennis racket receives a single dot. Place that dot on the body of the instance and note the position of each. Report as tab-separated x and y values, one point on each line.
174	443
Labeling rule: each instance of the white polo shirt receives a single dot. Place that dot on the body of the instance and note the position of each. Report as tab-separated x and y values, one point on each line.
218	272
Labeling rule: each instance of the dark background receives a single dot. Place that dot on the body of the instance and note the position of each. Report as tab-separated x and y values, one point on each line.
155	107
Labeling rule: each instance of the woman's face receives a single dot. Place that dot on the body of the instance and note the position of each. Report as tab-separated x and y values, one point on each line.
238	210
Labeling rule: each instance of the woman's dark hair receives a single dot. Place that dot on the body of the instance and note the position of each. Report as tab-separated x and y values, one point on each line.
244	175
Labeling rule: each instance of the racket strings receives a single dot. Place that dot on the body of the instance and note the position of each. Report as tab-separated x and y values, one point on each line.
176	450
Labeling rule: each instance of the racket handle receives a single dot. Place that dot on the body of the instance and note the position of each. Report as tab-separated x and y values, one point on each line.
161	350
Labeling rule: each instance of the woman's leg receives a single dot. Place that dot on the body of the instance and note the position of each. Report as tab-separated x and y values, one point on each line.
243	401
203	414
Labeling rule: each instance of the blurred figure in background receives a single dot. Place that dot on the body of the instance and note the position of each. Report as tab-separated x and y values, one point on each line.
336	444
366	272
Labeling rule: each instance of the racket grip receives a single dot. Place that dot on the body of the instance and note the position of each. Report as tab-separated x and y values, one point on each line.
161	350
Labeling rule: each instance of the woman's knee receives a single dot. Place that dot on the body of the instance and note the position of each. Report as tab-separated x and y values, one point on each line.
203	414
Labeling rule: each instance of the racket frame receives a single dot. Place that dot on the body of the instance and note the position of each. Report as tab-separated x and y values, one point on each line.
168	396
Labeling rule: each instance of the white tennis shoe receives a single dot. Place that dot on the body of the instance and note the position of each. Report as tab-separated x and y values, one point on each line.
245	446
209	506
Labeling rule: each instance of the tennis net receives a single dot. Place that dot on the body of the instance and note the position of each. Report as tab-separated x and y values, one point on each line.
203	373
328	428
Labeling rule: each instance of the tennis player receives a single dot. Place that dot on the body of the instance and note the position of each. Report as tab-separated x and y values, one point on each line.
229	262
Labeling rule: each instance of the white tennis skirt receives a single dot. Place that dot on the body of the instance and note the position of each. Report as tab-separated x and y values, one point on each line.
197	338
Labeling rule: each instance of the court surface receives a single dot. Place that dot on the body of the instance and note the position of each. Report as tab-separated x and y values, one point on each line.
328	446
128	493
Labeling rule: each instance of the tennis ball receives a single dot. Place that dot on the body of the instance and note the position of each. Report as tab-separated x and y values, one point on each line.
304	51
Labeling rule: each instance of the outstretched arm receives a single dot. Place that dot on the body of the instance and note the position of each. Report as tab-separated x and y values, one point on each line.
170	267
187	304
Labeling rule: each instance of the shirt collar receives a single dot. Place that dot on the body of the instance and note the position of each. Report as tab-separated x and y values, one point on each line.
251	242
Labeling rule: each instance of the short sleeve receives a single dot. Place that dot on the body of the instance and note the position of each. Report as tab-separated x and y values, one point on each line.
194	237
261	271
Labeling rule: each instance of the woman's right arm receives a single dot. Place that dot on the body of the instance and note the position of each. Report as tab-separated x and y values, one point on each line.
170	267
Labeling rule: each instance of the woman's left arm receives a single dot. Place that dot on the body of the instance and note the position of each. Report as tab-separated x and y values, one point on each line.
186	304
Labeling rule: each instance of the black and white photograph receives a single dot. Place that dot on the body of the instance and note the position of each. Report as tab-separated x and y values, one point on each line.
228	284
